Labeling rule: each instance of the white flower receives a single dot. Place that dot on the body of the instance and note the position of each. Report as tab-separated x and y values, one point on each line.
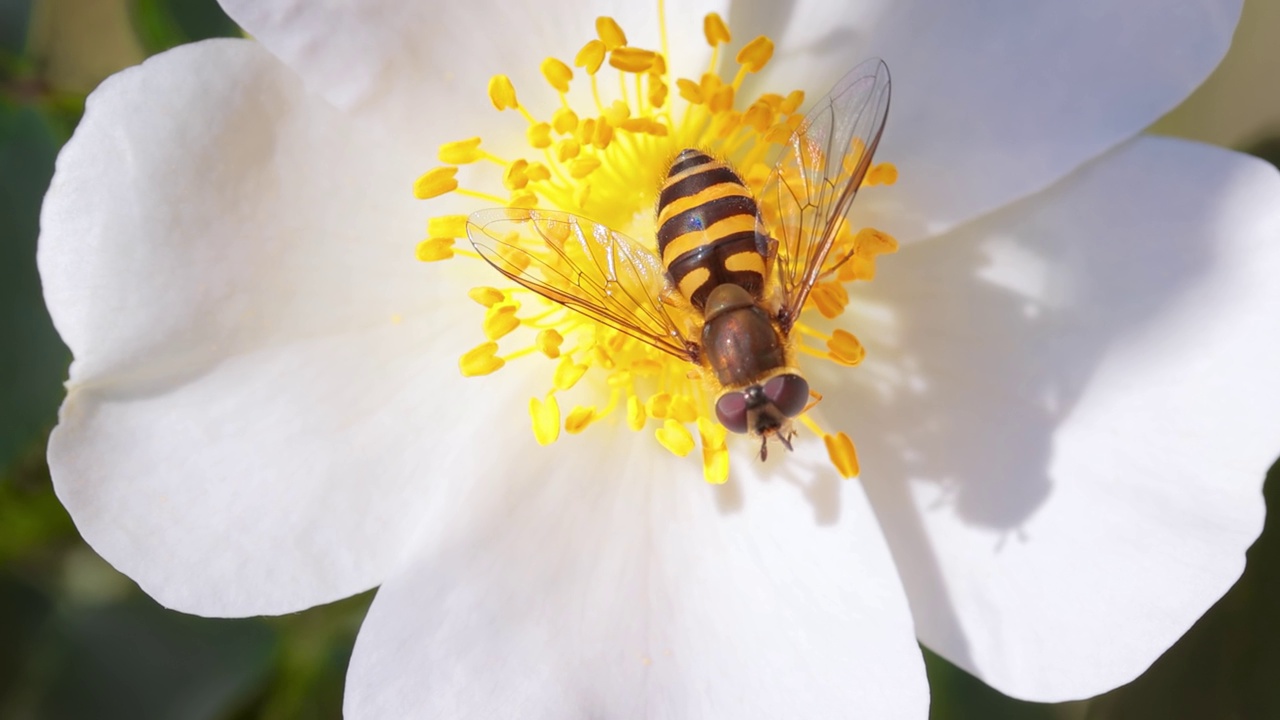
1064	418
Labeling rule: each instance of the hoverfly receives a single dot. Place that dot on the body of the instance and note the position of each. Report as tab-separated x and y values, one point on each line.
726	286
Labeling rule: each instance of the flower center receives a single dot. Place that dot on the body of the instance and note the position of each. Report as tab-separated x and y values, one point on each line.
606	163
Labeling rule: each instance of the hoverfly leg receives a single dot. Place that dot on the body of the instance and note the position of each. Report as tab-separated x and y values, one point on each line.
764	448
817	398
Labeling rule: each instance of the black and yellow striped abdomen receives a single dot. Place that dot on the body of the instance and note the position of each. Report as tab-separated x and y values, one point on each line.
707	228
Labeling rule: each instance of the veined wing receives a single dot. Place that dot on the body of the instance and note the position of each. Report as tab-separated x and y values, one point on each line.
585	266
806	198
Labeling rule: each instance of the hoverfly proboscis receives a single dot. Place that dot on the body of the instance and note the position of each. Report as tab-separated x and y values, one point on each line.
745	273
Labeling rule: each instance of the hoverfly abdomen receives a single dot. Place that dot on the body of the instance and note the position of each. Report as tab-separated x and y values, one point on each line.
707	228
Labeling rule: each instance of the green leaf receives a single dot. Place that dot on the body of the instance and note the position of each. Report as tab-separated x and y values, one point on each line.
134	659
33	360
15	19
957	695
162	24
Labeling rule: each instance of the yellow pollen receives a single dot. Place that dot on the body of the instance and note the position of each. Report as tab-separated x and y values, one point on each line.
716	31
690	91
845	349
610	34
633	60
564	120
635	413
500	320
549	342
583	167
590	57
881	174
715	455
546	419
502	93
675	437
579	418
606	159
658	405
568	373
481	360
436	182
755	54
557	74
447	226
830	298
486	296
539	135
461	152
842	453
434	249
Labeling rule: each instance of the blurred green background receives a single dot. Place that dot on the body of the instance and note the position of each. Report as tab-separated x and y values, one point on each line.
79	640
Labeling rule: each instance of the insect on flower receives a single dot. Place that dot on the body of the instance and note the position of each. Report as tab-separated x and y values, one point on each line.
731	272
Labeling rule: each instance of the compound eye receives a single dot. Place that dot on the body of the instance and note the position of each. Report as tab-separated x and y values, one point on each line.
789	393
731	409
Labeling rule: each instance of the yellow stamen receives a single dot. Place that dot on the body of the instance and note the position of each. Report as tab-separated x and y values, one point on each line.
549	342
610	34
502	93
486	296
436	182
579	418
634	60
434	249
635	413
716	31
590	57
568	373
675	437
500	320
447	226
754	55
461	152
481	360
845	349
546	419
842	453
557	74
715	456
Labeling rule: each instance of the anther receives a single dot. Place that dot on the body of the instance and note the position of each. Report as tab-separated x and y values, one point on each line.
755	54
481	360
842	453
714	28
447	226
590	57
845	349
610	33
557	74
434	249
461	152
502	93
435	183
546	419
675	437
579	418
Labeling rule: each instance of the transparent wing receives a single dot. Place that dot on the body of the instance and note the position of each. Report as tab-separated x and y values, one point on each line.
804	202
585	266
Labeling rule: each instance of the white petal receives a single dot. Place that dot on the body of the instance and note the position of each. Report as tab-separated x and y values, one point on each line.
993	103
612	582
421	69
248	429
1079	393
